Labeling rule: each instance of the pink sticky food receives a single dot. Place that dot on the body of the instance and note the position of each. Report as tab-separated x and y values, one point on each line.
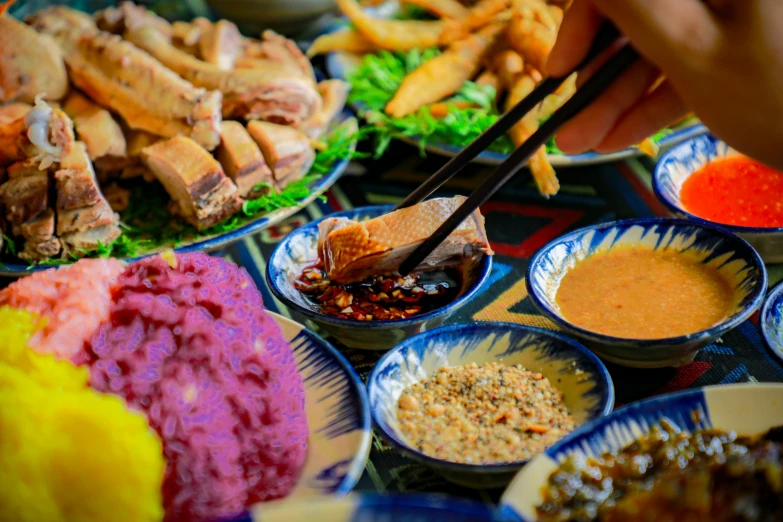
74	299
194	349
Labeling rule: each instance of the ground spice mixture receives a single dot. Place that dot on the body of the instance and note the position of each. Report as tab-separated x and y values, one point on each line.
485	414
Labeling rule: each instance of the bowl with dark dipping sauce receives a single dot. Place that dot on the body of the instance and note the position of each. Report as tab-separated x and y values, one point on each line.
714	453
398	307
475	402
647	293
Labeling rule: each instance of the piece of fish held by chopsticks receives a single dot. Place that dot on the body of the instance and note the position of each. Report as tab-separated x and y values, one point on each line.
393	35
242	161
543	173
287	150
199	188
353	251
273	94
31	64
440	8
344	40
44	135
444	74
118	75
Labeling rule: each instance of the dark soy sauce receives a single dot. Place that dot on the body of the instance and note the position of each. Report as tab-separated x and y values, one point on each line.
382	297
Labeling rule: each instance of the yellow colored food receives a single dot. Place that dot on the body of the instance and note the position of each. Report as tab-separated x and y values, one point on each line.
68	453
643	294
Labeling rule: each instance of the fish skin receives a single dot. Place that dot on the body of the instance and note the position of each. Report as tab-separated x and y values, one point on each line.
353	251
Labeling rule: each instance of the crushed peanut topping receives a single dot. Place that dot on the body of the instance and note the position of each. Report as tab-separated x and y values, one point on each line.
487	414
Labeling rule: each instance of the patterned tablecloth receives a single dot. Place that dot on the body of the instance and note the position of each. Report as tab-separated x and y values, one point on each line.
519	222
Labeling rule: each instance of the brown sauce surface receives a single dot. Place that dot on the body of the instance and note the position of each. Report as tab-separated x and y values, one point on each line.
643	294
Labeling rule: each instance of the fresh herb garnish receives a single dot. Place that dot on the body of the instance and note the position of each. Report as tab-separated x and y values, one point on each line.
9	245
377	78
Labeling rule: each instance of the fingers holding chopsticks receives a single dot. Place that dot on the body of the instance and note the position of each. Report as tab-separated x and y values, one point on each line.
660	109
630	110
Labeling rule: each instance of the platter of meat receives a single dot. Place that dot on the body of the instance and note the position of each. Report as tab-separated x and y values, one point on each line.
122	135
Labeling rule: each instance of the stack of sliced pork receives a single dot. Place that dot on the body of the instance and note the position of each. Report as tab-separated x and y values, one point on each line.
214	116
50	197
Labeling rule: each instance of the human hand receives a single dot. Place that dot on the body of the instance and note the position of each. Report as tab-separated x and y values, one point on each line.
722	59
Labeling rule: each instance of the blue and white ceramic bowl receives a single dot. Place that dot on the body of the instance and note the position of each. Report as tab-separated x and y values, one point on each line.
679	163
771	320
746	409
338	416
383	508
733	257
587	388
299	249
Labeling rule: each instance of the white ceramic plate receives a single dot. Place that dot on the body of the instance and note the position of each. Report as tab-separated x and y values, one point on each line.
338	415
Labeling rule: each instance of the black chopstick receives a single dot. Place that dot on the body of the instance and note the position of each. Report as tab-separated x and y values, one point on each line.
593	87
605	37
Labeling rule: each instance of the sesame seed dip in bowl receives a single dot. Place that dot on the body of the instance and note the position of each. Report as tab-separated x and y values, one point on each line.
412	304
476	401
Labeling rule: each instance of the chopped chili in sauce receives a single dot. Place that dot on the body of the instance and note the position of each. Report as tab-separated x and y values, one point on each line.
381	298
736	191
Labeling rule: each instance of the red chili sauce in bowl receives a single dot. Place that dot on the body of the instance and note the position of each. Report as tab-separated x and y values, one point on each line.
736	191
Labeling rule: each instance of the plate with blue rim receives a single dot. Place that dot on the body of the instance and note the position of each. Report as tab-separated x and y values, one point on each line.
371	507
675	168
734	259
747	409
339	65
587	388
338	415
13	267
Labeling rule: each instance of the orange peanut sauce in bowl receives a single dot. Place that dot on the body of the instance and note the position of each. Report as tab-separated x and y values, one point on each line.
638	293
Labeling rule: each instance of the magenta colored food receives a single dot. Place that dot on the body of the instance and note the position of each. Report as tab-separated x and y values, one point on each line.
192	347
